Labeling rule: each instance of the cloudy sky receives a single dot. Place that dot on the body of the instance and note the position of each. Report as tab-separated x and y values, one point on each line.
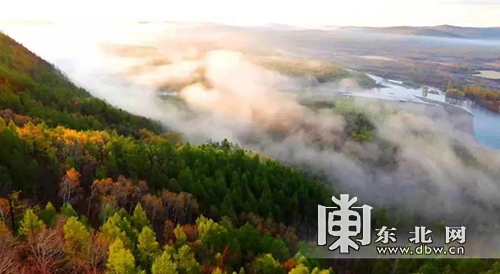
307	13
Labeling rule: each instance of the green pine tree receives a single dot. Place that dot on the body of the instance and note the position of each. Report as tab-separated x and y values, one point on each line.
48	214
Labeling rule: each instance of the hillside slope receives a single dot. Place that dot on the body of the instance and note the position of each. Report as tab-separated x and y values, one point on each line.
123	197
31	89
97	201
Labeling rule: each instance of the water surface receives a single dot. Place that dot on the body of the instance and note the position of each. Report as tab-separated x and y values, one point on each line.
487	127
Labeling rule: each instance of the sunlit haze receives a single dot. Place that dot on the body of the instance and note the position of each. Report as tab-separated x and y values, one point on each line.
257	136
313	13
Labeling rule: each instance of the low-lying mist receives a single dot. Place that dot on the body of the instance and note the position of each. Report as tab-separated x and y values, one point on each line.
206	84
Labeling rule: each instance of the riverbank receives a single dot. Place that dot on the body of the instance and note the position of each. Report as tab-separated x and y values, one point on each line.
481	122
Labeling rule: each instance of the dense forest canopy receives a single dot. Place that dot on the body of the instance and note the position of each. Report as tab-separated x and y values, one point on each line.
88	188
62	148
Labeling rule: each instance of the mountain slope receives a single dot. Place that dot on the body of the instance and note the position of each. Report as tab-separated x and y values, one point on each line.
31	89
134	194
441	31
140	199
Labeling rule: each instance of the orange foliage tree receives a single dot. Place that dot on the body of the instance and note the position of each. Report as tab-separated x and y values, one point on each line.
69	185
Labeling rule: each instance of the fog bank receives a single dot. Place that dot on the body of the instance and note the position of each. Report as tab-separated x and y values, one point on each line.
216	91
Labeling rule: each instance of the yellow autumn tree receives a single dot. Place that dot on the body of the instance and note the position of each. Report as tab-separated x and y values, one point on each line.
76	236
120	260
30	224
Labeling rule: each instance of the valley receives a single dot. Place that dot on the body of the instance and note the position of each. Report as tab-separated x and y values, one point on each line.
208	148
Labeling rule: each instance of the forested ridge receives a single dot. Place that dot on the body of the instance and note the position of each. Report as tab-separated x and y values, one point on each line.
224	179
130	198
31	89
88	188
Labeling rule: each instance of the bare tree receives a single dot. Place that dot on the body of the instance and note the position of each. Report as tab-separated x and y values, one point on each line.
45	251
8	252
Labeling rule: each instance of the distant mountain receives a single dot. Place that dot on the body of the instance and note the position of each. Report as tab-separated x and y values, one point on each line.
441	31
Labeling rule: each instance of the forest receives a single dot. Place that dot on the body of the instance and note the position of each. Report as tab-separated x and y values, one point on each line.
89	188
33	90
314	71
489	99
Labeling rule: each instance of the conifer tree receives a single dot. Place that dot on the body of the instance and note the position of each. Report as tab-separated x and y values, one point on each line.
111	230
47	215
120	260
186	261
68	210
3	125
267	264
180	236
139	218
76	236
148	247
299	269
30	224
164	264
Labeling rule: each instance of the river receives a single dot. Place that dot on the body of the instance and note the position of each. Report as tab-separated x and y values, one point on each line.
487	127
83	61
486	124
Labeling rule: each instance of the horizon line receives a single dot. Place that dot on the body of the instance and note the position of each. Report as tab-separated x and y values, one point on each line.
271	24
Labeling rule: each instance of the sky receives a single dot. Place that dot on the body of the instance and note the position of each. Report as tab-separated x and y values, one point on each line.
308	13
